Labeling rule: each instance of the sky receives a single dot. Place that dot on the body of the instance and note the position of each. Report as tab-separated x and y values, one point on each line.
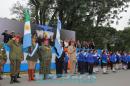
6	5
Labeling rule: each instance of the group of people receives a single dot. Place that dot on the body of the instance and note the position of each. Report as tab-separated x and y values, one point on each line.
35	52
90	60
72	61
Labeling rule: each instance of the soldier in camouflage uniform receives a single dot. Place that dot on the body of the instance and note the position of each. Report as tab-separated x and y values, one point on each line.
15	56
3	58
45	57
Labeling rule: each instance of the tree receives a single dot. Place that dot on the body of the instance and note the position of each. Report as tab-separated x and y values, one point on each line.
41	10
76	13
89	17
125	37
18	10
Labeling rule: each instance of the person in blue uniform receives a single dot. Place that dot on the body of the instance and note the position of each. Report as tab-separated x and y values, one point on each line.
66	59
118	62
124	60
104	60
60	65
90	60
85	61
113	61
78	60
82	62
128	59
96	61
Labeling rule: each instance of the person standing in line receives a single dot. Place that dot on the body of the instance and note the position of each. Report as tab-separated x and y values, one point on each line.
128	59
104	61
86	61
118	62
96	61
66	59
32	58
81	66
45	57
72	57
60	65
15	56
124	60
113	61
3	58
90	60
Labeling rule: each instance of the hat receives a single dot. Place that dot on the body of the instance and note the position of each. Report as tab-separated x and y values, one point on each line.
16	37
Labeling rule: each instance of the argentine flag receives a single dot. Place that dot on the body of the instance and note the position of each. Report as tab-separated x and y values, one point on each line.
58	46
27	30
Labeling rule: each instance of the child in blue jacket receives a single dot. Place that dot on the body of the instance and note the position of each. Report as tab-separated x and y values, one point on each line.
66	59
128	59
118	62
104	61
81	62
113	61
90	60
124	60
85	61
96	61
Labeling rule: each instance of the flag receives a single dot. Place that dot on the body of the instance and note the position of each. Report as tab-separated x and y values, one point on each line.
58	45
27	30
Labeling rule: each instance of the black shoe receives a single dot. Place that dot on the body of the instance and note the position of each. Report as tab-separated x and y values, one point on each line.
12	80
18	76
15	80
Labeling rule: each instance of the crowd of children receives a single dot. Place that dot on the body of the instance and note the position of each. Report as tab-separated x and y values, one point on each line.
90	60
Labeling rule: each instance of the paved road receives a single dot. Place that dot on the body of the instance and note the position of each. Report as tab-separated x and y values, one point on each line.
121	78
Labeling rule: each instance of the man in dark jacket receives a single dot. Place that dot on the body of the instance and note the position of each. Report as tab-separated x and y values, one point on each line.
6	36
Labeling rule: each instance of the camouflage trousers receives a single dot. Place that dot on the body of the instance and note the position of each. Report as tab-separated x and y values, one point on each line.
14	67
1	69
2	62
45	68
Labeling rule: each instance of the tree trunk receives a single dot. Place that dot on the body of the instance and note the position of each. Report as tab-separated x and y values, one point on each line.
37	17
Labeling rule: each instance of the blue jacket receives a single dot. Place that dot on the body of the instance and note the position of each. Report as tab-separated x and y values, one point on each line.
66	58
96	58
128	58
85	57
81	57
104	58
90	58
113	58
118	57
124	58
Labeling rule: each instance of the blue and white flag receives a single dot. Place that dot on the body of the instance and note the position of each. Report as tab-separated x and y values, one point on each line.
58	46
27	42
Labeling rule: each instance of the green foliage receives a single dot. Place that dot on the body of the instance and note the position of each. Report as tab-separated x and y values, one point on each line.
125	37
91	19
